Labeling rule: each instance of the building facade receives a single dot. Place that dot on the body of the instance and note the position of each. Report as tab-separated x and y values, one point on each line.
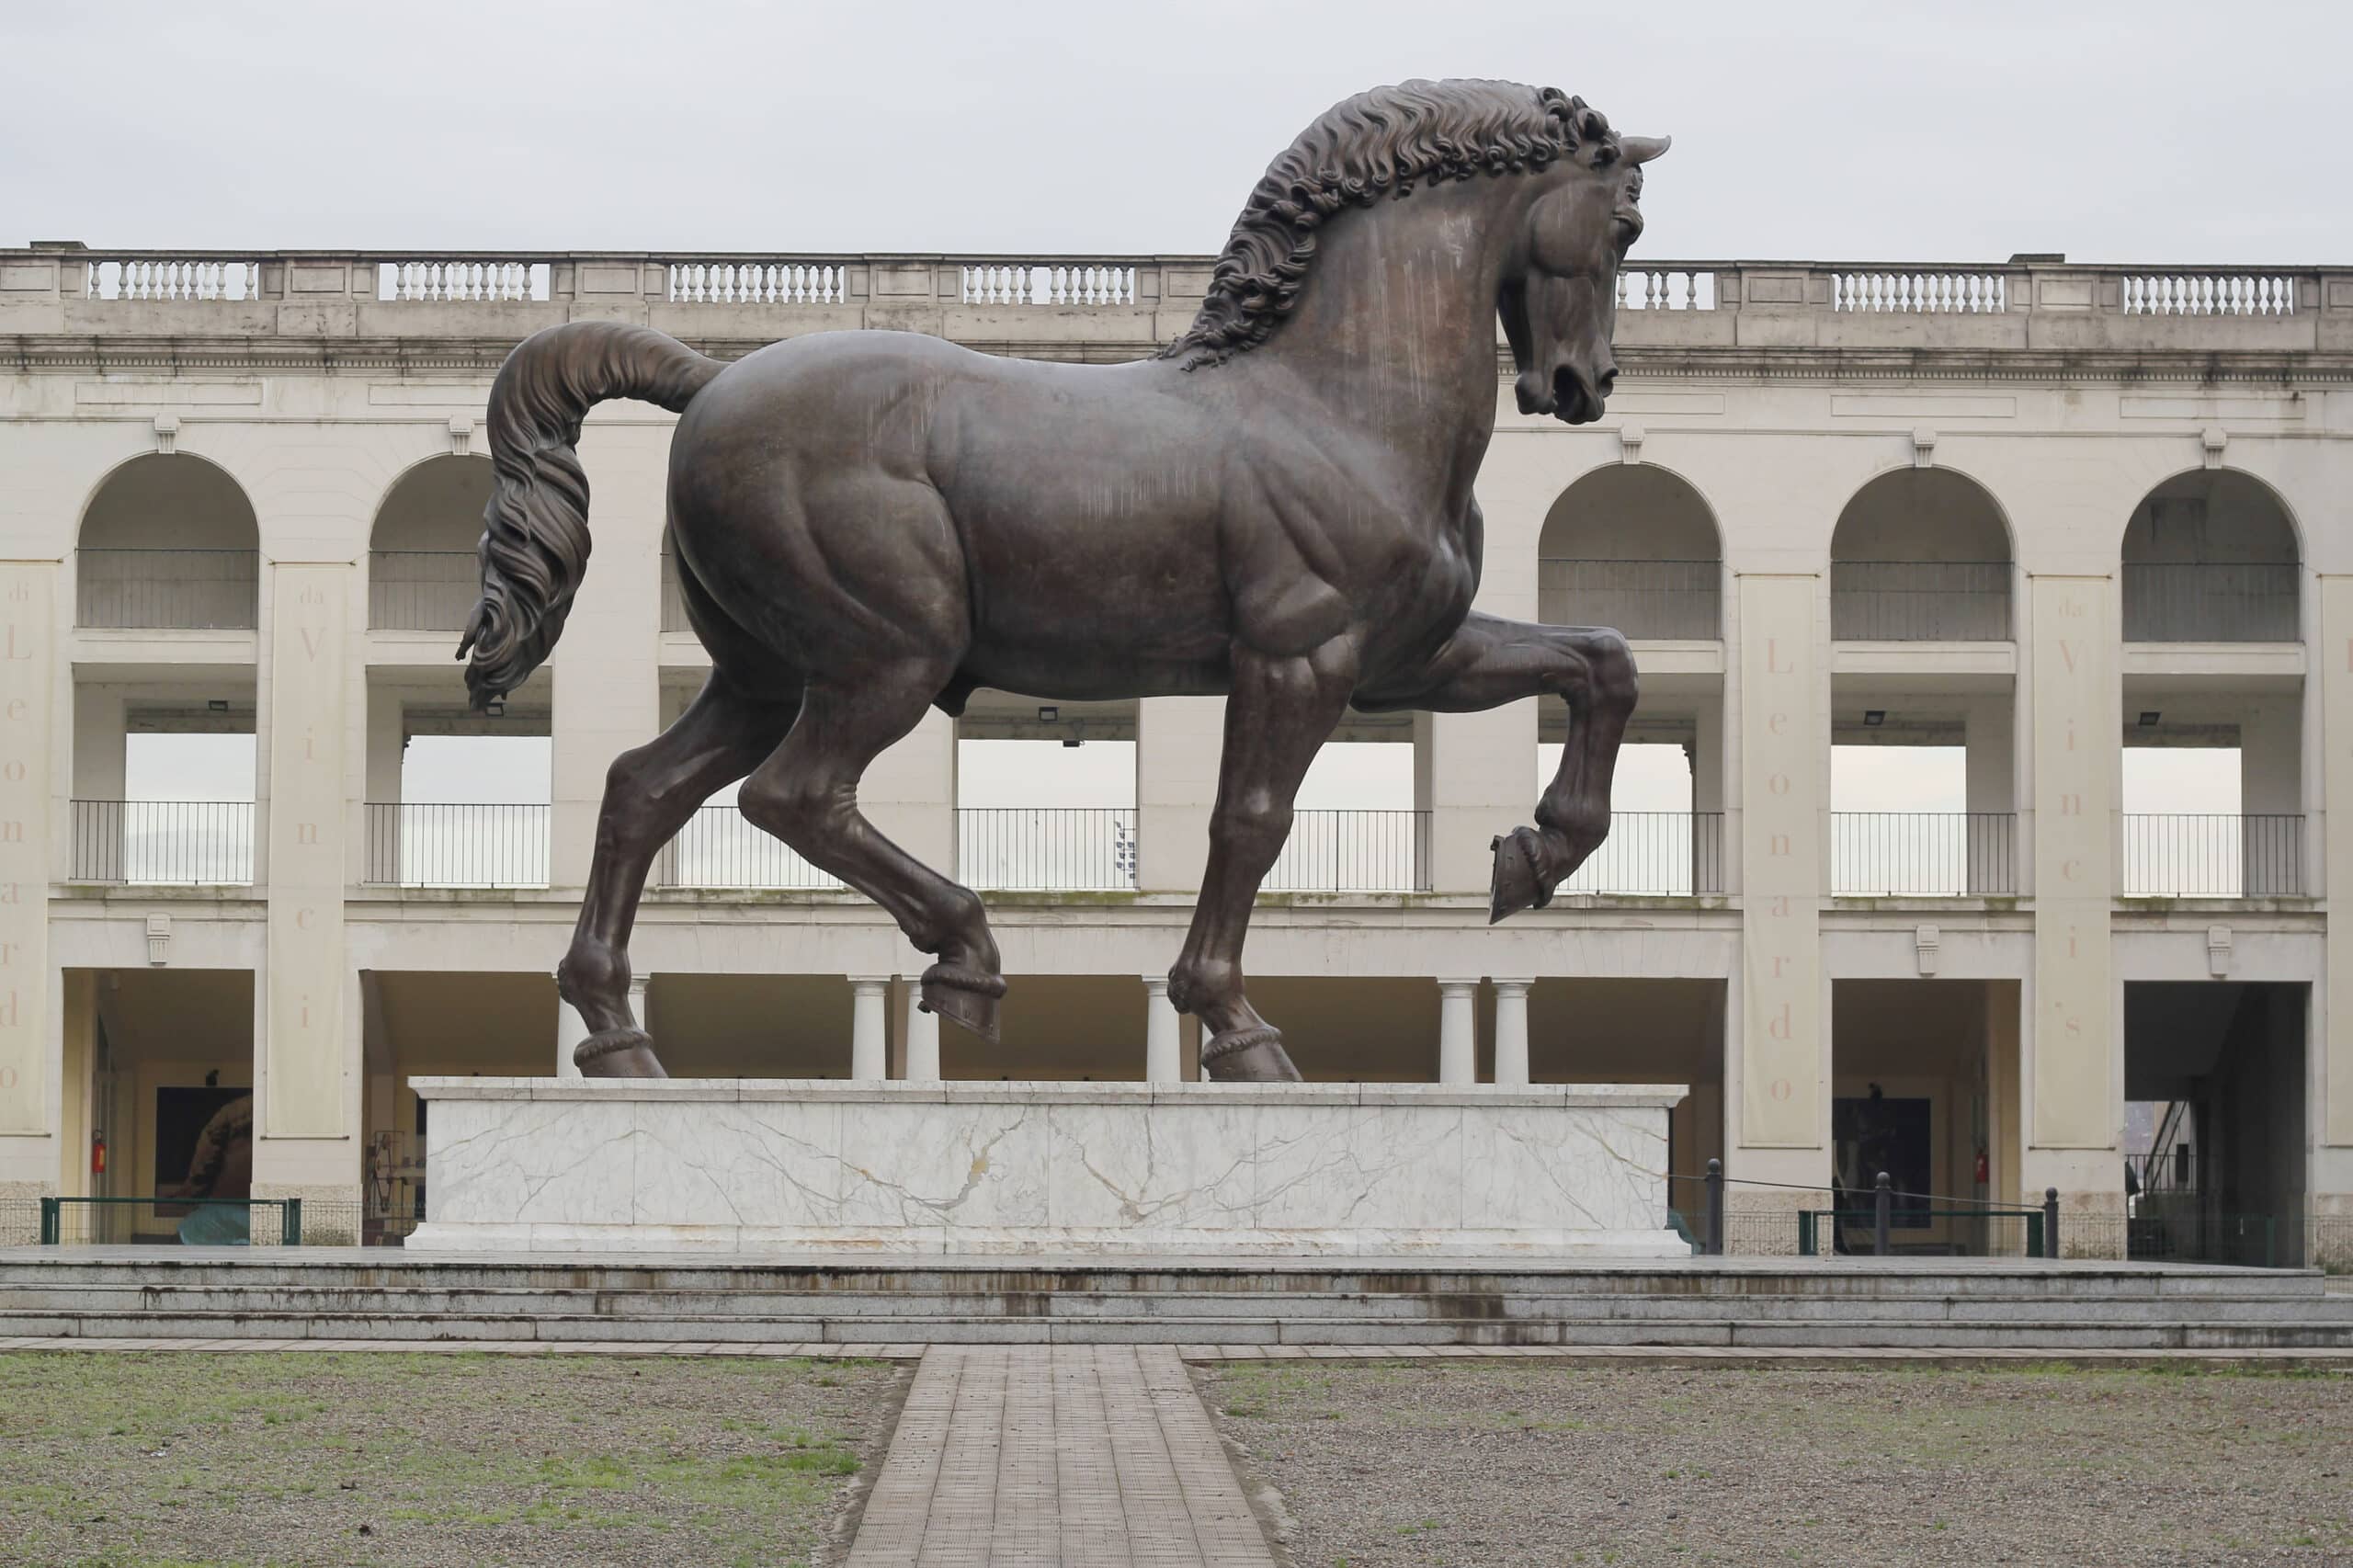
2032	515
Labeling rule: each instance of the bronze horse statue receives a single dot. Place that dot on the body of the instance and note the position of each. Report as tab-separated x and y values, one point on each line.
1278	507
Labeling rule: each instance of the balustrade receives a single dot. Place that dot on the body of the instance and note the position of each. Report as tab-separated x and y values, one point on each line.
1666	288
1054	282
1073	848
2206	294
773	282
161	843
1656	855
2219	601
1920	601
1353	851
1661	600
169	590
2213	855
488	279
422	590
433	845
1923	293
720	848
168	278
1923	854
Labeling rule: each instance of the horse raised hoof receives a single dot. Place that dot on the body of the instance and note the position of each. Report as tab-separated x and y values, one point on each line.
964	997
618	1053
1520	876
1249	1056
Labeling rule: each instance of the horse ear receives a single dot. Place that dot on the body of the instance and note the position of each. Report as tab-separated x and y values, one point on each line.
1643	148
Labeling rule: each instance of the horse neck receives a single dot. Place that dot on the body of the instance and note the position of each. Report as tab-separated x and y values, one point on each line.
1396	327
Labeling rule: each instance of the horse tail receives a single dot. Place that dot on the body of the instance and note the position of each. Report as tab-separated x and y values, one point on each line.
534	547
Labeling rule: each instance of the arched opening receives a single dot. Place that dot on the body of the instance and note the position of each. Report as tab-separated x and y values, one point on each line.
1920	555
168	543
2211	556
421	569
1633	547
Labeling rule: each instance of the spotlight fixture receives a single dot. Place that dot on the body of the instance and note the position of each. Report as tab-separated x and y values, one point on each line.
2148	718
1049	714
1072	742
1874	717
216	705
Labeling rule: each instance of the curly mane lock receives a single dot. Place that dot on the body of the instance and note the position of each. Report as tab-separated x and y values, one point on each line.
1378	144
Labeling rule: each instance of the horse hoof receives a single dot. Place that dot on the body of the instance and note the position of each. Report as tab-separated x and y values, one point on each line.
1249	1056
1518	882
964	997
618	1053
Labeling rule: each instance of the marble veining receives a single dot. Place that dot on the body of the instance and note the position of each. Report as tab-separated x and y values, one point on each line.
752	1166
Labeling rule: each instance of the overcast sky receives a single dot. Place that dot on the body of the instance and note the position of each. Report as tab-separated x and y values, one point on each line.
1892	130
1896	130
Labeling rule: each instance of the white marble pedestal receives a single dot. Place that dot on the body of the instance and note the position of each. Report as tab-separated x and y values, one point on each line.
751	1165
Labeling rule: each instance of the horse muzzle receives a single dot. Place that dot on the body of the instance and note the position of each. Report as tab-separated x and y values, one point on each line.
1566	396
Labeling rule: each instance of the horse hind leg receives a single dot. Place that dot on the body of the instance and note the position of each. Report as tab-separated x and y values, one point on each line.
806	794
650	794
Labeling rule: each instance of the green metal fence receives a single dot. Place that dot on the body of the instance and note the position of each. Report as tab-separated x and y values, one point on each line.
215	1222
1997	1230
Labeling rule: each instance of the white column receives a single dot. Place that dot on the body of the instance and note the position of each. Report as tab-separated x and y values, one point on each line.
1179	741
868	1058
571	1028
923	1039
1163	1062
1458	1031
1511	1032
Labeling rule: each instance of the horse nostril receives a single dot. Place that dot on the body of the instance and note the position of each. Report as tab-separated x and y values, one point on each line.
1607	380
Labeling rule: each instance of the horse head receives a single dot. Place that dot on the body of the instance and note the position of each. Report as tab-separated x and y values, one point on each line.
1559	300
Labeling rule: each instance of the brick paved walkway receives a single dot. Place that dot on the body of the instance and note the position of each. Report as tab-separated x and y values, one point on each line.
1056	1456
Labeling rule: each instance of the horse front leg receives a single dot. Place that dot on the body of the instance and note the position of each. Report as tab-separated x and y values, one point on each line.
1277	716
1491	662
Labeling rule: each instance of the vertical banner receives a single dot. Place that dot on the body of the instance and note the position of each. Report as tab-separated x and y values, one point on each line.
302	1091
28	611
2335	1034
1781	749
2076	747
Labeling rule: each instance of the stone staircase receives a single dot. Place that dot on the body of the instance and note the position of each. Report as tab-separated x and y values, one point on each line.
378	1294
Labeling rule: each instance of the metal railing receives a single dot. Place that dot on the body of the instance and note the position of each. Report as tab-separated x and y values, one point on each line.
674	598
430	845
1068	848
215	1222
2213	855
161	843
171	590
1931	854
422	590
719	847
1655	854
1353	851
2221	601
1920	601
1654	601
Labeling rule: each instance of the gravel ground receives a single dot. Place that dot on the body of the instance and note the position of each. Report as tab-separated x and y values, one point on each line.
1501	1464
176	1461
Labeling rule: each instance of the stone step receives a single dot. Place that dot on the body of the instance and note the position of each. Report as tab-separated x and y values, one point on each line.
2054	1335
1746	1281
692	1307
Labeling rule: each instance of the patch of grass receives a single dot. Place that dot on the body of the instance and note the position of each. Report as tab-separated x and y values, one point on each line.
280	1459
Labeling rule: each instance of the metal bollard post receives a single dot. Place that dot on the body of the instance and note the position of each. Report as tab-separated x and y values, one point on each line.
1883	1209
1715	1186
2051	1222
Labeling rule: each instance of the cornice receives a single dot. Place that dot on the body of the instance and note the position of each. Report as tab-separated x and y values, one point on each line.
482	357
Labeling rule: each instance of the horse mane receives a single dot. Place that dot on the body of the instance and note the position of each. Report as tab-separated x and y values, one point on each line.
1377	143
